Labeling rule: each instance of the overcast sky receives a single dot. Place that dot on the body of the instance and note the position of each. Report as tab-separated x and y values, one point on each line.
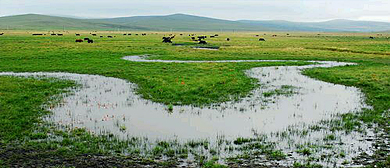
292	10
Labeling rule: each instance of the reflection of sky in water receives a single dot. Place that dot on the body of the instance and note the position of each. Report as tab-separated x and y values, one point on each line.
109	104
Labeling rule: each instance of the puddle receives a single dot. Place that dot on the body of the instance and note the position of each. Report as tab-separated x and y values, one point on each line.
206	48
106	104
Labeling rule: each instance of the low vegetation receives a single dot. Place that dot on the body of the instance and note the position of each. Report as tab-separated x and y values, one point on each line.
24	136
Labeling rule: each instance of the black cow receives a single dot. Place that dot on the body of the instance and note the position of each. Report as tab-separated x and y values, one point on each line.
216	35
101	36
228	39
59	34
129	34
90	41
372	37
53	34
109	36
257	35
86	39
261	39
1	34
79	40
77	34
202	37
193	38
167	39
136	34
212	36
37	34
202	42
93	34
124	34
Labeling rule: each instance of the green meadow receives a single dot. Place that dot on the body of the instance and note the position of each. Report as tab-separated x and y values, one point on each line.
26	139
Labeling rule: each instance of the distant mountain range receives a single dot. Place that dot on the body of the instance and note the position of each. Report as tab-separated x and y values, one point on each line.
182	22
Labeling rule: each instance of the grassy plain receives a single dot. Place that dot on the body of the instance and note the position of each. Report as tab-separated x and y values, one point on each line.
24	134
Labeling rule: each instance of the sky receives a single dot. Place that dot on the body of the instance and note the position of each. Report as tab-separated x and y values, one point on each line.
291	10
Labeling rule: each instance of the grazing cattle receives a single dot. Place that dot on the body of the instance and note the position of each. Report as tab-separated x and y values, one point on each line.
136	34
77	34
167	39
90	41
129	34
261	39
37	34
59	34
1	34
109	36
227	39
181	34
93	34
216	35
288	34
212	36
371	37
124	34
86	39
202	42
79	40
144	34
193	38
257	35
53	34
201	37
101	36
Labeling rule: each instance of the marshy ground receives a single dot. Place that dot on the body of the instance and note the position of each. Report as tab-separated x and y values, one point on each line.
27	134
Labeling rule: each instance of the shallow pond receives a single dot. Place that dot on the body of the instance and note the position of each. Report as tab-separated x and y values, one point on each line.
285	100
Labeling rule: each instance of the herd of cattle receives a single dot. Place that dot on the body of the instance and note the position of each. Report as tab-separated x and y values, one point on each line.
200	39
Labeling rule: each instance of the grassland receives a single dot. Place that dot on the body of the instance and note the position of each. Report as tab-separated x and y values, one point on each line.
25	136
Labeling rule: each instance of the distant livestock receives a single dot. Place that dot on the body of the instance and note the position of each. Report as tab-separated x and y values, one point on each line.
261	39
53	34
129	34
193	38
274	35
372	37
202	42
1	34
94	34
109	36
86	39
167	39
37	34
77	34
227	39
144	34
101	36
212	36
59	34
79	41
216	35
125	34
90	41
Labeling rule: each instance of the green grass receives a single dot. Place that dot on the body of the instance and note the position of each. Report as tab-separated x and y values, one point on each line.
173	83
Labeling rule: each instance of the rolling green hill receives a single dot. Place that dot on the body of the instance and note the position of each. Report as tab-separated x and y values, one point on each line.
182	22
